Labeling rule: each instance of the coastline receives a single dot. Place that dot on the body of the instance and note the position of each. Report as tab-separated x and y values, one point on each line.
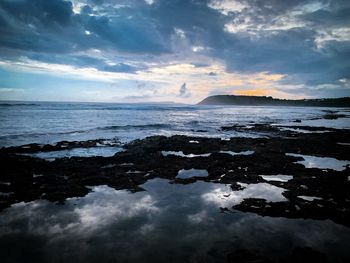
28	178
218	180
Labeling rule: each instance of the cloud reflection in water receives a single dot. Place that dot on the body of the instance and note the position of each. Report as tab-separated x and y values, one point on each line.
167	222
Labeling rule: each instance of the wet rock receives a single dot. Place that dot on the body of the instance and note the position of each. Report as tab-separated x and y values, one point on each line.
245	256
298	254
264	127
333	116
307	254
27	178
59	146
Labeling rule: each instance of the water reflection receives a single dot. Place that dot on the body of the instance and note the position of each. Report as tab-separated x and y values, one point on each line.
223	196
104	151
238	153
321	162
277	178
181	154
185	174
166	223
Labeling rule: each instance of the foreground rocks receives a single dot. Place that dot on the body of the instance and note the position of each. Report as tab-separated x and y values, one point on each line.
26	178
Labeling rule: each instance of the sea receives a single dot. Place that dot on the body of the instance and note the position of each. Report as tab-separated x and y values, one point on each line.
50	122
166	222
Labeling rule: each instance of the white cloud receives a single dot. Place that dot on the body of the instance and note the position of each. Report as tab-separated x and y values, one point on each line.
180	33
335	34
10	90
150	2
226	6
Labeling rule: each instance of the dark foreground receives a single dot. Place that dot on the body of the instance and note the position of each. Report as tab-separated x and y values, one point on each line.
26	178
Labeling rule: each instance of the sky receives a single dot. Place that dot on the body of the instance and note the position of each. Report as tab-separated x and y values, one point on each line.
173	50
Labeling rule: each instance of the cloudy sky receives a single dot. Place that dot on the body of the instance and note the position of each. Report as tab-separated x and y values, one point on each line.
173	50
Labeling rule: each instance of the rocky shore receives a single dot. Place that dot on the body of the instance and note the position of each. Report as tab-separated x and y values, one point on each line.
313	193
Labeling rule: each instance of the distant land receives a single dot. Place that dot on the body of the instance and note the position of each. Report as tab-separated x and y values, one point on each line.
269	101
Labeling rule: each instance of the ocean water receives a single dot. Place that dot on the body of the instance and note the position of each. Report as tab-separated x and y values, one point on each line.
49	122
167	222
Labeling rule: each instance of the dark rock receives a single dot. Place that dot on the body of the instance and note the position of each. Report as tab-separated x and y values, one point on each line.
27	178
307	254
245	256
333	116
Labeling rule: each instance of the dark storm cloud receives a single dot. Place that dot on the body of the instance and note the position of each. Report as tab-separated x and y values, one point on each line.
38	25
46	13
290	50
52	26
127	33
50	31
337	17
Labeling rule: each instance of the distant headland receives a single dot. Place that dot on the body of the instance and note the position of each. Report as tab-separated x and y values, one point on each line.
269	101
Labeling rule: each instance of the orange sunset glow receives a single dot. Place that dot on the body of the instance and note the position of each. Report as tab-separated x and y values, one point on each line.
252	92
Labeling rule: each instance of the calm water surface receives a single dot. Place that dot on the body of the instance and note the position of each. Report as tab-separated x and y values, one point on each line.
166	223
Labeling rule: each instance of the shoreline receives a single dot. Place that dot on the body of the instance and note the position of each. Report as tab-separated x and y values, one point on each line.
27	178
